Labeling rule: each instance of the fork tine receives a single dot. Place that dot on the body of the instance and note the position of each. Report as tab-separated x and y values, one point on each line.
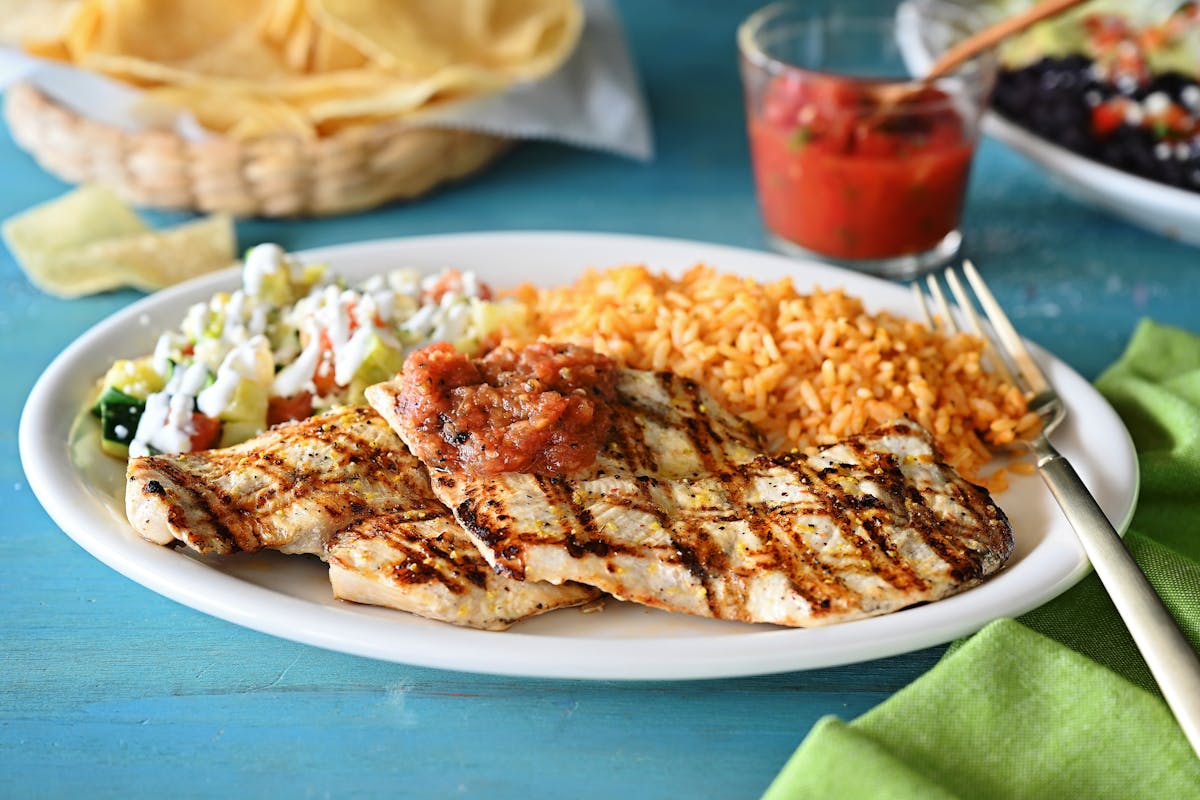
939	297
1034	378
922	304
968	310
942	317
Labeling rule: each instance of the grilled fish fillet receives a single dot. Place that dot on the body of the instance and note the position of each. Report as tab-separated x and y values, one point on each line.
681	511
341	486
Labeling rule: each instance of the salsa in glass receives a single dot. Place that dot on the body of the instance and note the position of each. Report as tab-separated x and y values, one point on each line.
847	171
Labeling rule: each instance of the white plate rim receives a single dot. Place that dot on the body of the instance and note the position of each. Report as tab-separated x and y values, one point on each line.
693	653
1159	207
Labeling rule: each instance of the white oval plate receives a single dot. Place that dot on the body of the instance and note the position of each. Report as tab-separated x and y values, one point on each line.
290	596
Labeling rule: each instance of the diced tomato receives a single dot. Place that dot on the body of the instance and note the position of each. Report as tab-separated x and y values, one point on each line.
1176	120
1107	117
451	281
783	100
206	431
870	142
284	409
323	378
837	97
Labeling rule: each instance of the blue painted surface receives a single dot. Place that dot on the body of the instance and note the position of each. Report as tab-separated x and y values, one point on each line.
107	689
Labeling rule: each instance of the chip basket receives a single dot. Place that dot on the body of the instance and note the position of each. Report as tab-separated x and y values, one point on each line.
279	176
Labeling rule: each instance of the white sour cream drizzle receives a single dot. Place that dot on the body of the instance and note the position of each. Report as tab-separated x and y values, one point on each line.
166	423
248	361
261	261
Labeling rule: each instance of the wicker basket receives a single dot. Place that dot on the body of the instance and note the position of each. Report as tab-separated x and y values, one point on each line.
279	176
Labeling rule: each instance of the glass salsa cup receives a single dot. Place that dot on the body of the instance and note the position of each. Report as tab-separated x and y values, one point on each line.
853	166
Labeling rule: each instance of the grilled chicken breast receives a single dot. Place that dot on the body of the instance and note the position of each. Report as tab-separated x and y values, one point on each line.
428	566
681	511
288	489
341	486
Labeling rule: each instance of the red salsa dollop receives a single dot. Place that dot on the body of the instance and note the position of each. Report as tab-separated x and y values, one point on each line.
844	172
545	408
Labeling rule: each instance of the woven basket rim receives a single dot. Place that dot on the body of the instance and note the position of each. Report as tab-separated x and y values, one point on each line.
283	174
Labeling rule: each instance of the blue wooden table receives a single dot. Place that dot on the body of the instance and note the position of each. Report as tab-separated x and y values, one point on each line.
107	689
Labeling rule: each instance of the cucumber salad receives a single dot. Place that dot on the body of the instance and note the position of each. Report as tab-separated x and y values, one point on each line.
293	340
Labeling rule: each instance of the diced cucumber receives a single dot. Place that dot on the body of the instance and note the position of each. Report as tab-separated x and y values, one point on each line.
285	285
237	431
119	415
505	317
137	379
275	288
380	364
248	404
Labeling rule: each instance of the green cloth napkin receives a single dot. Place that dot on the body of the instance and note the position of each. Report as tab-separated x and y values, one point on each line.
1059	703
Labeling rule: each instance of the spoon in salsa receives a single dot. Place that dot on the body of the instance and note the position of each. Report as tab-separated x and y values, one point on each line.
890	96
995	33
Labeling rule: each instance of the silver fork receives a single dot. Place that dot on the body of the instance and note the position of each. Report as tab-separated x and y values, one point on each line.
1170	656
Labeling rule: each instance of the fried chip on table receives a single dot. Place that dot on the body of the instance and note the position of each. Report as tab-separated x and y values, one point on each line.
90	241
40	236
157	259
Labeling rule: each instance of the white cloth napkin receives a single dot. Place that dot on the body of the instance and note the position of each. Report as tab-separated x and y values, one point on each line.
594	100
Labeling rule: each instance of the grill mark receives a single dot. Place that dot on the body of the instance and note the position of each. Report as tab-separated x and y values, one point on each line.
466	512
966	563
698	549
947	537
465	567
999	539
578	529
629	443
683	551
864	512
184	481
729	599
689	393
791	554
355	457
413	556
698	427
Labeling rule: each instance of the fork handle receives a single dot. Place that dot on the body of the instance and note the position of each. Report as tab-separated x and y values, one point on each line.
1168	653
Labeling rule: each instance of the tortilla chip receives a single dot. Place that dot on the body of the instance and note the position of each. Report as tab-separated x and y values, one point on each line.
157	259
90	241
327	60
23	21
88	214
515	39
